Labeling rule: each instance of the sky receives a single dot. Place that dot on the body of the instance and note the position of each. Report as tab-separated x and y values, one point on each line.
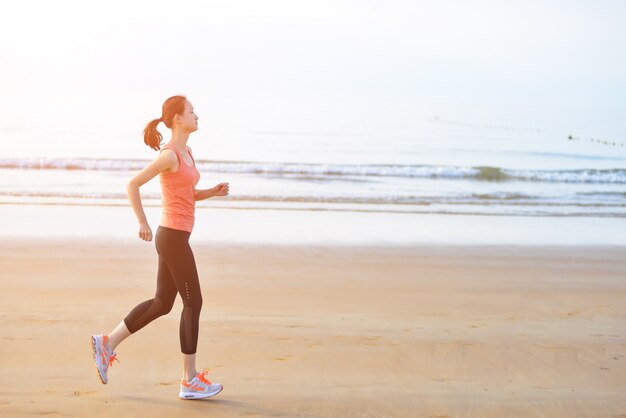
318	65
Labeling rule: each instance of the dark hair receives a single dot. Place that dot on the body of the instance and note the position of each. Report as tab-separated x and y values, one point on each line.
174	105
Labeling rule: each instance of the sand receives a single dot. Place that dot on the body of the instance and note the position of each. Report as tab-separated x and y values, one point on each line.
321	331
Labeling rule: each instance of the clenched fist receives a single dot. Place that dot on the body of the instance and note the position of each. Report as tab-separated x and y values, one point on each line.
221	189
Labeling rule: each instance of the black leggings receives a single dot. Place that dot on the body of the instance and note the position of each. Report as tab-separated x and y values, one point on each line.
177	274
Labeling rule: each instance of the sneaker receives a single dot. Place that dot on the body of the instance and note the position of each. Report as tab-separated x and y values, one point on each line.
199	387
103	357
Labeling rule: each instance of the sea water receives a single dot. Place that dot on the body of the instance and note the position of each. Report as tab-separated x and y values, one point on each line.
443	169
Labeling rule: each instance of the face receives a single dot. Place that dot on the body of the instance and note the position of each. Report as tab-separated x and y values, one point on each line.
188	120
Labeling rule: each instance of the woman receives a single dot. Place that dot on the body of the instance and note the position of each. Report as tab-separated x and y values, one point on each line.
177	268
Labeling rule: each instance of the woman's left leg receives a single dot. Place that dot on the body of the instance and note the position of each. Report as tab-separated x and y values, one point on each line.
182	265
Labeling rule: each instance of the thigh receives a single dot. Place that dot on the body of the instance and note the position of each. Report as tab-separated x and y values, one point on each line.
174	250
184	272
166	288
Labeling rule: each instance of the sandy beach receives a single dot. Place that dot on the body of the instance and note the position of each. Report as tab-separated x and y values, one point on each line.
322	331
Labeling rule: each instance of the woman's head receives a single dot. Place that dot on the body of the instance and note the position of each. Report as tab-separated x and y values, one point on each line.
177	113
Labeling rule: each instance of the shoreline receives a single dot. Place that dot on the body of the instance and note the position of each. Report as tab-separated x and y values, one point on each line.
317	228
17	244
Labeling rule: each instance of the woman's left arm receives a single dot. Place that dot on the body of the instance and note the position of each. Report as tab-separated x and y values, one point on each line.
219	190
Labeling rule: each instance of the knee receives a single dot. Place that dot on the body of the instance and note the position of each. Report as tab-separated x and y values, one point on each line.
194	303
163	307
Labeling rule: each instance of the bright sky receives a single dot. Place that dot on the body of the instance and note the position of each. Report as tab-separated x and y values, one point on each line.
373	57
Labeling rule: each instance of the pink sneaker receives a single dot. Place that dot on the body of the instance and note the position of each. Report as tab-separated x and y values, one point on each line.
199	387
103	357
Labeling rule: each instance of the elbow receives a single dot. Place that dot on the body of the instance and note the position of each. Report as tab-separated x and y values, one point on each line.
131	185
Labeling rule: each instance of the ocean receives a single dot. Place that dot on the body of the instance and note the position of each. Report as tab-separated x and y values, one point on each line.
443	167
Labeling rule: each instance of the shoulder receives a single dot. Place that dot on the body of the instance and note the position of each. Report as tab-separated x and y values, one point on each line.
168	157
188	148
167	153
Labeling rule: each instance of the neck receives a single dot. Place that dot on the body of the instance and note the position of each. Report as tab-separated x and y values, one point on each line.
179	139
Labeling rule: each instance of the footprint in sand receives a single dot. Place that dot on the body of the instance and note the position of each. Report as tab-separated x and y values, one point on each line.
410	329
282	358
371	340
83	392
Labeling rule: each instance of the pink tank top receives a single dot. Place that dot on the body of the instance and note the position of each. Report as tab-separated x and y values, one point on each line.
178	187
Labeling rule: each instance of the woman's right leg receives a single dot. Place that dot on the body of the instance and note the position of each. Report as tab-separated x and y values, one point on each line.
139	317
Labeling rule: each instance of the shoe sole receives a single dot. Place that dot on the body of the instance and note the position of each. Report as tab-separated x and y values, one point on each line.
192	396
93	349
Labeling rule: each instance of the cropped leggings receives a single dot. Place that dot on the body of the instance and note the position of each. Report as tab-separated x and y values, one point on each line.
177	273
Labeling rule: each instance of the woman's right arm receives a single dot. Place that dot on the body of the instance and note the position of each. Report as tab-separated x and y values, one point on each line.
164	161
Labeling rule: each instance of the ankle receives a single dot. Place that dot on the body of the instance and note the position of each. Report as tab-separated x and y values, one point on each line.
189	378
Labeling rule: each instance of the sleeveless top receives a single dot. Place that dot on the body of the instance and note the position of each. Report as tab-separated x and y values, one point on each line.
179	202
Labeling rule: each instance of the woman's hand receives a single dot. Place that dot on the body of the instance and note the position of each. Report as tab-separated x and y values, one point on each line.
220	189
145	233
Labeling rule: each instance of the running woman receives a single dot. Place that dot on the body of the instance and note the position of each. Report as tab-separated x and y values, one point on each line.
177	271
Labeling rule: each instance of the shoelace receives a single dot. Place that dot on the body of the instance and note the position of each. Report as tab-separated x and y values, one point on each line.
111	358
202	378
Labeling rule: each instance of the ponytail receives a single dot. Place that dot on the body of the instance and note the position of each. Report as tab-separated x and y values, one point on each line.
172	106
151	136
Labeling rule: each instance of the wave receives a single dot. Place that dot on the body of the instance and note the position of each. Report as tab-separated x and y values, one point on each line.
484	199
603	193
388	210
307	171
